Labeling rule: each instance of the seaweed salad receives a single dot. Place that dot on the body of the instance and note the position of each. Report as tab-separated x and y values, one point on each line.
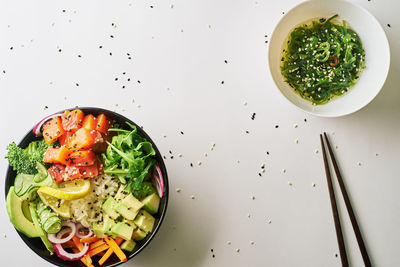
322	59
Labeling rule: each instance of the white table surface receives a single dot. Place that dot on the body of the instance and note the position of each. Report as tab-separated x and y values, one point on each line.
178	55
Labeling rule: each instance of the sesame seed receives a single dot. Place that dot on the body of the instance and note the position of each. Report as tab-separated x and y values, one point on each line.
248	215
228	242
238	250
180	155
192	197
199	163
290	183
295	125
205	154
296	141
316	151
178	190
251	242
253	197
359	163
313	184
269	222
283	170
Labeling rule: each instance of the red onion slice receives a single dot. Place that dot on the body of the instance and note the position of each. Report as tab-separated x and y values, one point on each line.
57	238
158	182
61	253
36	129
81	236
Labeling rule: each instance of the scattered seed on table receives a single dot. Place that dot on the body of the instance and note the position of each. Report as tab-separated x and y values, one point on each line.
316	151
182	133
238	250
269	221
253	116
100	46
248	215
181	30
199	163
77	84
263	170
222	82
296	141
209	26
359	163
110	54
336	147
180	155
191	164
172	157
226	62
253	197
267	153
164	135
276	126
170	152
171	6
247	132
259	174
290	183
238	161
313	184
59	50
283	170
45	107
244	103
376	154
295	126
228	242
139	106
178	190
205	154
251	242
388	25
5	236
262	166
193	197
305	120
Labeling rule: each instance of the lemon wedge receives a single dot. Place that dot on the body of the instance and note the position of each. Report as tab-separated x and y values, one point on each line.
61	207
72	190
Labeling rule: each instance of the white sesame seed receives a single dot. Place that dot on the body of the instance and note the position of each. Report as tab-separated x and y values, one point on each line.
171	6
238	161
290	183
263	170
164	135
313	184
205	154
262	165
295	125
178	190
238	250
248	215
316	151
192	197
180	155
253	197
251	242
296	141
376	154
283	170
199	163
359	163
228	242
269	221
181	30
244	103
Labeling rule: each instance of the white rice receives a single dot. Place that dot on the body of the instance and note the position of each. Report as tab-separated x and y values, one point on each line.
87	210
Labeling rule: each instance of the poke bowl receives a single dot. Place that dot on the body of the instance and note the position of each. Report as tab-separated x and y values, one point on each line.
86	187
344	64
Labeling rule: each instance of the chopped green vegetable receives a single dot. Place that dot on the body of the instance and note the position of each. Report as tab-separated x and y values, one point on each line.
322	60
130	157
24	160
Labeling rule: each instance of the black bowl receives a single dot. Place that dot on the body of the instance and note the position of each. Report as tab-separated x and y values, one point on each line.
36	244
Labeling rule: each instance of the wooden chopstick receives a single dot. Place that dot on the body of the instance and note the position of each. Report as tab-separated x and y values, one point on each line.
339	234
346	198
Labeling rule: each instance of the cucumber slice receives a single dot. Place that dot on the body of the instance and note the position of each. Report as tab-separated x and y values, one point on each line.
42	173
22	184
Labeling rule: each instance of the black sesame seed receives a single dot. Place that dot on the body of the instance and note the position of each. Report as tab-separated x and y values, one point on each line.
226	61
267	153
77	84
63	10
110	54
212	250
116	79
79	56
100	46
123	86
266	42
322	20
138	81
276	126
222	82
59	50
305	120
182	132
213	256
388	25
112	36
151	6
129	79
247	132
164	157
191	164
170	152
172	157
259	174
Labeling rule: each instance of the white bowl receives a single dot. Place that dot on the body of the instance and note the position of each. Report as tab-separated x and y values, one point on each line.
373	38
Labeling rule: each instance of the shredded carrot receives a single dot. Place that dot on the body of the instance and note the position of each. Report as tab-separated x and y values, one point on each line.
87	260
120	254
109	251
98	250
69	244
84	259
96	244
90	239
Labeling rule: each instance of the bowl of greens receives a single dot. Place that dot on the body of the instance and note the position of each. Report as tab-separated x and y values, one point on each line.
329	58
86	187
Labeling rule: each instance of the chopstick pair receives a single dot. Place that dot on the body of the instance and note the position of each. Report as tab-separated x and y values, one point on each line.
339	234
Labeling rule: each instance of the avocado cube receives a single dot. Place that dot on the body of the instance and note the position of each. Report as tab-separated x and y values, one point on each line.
128	245
108	207
108	224
122	230
121	193
98	230
138	234
151	203
128	207
145	221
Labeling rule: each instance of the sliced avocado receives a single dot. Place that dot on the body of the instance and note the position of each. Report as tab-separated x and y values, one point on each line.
128	245
108	223
98	230
121	193
108	207
17	217
39	229
126	212
128	207
122	230
26	211
151	203
145	221
138	234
